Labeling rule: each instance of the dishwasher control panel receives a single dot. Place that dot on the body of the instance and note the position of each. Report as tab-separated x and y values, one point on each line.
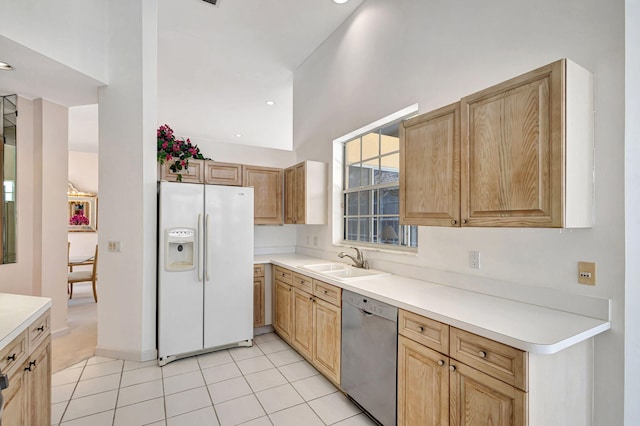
370	305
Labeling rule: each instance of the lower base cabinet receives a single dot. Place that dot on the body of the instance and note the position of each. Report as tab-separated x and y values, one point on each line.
28	397
308	316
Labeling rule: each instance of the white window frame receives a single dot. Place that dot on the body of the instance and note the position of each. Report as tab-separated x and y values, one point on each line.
338	182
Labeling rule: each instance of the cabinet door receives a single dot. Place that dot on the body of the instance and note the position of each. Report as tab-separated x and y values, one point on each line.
300	194
258	301
15	401
430	168
216	173
327	320
512	155
38	382
290	195
267	184
282	309
478	400
302	338
423	385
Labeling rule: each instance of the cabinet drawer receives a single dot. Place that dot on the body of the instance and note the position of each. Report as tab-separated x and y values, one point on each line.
14	353
283	274
217	173
258	270
495	359
39	330
303	283
328	292
431	333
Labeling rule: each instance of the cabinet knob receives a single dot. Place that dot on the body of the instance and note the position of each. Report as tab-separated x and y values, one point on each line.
482	354
452	367
440	363
454	222
325	292
421	329
11	357
465	221
41	328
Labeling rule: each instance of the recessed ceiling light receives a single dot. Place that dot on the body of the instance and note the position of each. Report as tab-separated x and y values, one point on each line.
340	1
271	103
5	66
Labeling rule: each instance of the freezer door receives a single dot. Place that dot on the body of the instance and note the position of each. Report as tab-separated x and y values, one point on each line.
180	293
228	293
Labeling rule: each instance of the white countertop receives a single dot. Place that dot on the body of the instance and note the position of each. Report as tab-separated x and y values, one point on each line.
524	326
17	312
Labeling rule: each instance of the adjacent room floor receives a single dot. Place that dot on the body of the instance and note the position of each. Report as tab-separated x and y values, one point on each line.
267	384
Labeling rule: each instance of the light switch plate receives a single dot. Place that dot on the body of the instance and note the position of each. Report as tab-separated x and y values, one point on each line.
587	273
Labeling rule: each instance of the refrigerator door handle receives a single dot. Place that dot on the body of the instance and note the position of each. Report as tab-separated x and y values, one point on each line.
206	248
200	264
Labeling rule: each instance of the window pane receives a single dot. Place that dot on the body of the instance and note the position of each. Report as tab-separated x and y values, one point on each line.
370	145
351	230
366	203
390	201
351	204
365	229
410	236
390	230
352	152
390	165
354	178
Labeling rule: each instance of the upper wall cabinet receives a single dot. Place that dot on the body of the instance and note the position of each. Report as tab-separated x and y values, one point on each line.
430	168
267	184
526	155
305	193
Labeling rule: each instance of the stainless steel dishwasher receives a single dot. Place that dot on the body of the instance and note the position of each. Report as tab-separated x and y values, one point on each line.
369	355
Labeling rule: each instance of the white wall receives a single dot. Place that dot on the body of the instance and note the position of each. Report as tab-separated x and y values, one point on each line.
632	212
83	173
72	32
390	55
127	183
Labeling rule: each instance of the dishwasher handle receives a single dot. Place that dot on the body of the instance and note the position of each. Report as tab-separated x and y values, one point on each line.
365	313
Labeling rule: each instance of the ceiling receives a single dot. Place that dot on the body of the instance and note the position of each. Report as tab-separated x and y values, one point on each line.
217	67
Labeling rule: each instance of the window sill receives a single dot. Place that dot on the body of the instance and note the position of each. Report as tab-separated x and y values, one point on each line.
408	251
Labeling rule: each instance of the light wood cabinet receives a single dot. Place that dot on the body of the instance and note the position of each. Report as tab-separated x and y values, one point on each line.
258	295
423	385
525	155
27	362
303	326
437	388
430	168
268	200
315	324
282	309
194	174
305	193
217	173
479	399
327	327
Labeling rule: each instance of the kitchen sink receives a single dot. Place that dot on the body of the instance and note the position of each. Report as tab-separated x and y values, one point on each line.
342	272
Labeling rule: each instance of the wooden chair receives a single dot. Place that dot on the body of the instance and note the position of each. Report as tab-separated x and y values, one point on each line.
85	276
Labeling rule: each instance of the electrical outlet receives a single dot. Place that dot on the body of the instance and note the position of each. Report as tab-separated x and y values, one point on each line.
114	246
587	273
474	259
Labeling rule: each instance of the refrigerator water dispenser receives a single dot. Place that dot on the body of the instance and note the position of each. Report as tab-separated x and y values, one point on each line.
180	249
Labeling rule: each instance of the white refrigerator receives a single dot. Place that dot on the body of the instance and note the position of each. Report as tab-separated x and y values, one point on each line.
205	269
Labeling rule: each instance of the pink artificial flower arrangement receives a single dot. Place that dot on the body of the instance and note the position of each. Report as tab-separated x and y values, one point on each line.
176	151
77	219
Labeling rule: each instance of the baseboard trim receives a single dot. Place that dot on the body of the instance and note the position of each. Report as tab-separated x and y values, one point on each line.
148	355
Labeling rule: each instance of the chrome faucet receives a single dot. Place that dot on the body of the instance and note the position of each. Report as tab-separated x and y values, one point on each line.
359	261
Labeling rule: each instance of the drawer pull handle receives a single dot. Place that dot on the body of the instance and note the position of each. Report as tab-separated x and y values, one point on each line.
325	292
482	354
41	328
31	364
421	329
11	357
452	367
440	363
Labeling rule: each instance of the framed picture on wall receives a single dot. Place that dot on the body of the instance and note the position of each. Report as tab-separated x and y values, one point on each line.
83	213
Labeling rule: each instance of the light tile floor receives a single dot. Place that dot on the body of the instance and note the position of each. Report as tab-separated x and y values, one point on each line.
267	384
